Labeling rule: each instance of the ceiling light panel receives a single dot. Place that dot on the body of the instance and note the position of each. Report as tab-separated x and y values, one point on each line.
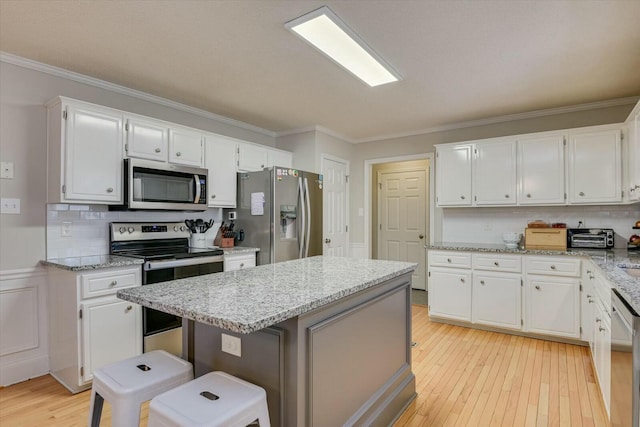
325	31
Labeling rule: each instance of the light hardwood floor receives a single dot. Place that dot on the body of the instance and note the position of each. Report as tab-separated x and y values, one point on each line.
464	377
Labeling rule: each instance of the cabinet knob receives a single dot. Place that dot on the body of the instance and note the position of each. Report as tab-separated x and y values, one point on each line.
157	150
590	301
592	277
553	267
635	187
462	280
241	264
178	154
601	329
588	296
262	166
462	197
581	193
537	287
598	320
129	308
110	190
448	259
482	282
213	196
115	282
506	196
496	263
327	240
529	196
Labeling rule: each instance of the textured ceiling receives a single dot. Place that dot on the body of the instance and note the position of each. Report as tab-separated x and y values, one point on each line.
460	60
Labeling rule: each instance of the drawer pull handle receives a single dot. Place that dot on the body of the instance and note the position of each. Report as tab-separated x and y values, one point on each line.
448	259
129	308
553	267
113	283
589	272
601	329
588	296
592	277
590	301
157	150
482	282
462	280
496	264
241	264
538	287
598	320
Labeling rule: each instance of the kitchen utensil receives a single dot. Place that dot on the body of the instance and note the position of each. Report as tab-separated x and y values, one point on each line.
511	239
199	225
190	225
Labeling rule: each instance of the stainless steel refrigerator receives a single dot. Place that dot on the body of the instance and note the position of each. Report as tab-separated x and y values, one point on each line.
280	211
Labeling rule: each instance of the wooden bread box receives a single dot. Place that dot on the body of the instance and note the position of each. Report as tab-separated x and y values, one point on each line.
554	239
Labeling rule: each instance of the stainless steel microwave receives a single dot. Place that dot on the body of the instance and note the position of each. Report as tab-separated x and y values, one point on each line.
163	186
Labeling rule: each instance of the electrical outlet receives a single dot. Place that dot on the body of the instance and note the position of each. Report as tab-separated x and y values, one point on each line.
65	229
582	223
9	206
6	170
232	216
232	345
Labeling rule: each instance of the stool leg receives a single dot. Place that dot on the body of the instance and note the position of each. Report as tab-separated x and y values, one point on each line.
125	414
95	410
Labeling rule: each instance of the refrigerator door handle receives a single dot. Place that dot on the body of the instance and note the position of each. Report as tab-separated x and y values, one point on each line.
308	223
301	235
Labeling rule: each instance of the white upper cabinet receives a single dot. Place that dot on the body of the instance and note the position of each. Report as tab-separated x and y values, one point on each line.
251	158
633	162
185	147
220	152
595	165
279	158
541	169
84	141
494	173
147	138
453	175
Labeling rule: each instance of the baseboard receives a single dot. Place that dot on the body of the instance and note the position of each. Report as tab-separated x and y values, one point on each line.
24	369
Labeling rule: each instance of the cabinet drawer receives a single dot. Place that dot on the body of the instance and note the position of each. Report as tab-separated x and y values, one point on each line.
507	263
239	262
553	266
450	259
105	283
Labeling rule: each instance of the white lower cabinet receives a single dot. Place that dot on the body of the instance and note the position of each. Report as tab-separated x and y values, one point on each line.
450	293
601	354
552	306
88	325
497	300
233	262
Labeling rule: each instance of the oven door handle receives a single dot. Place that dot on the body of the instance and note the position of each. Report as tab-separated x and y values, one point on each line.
158	265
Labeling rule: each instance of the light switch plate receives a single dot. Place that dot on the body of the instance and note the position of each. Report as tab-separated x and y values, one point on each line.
232	345
65	229
6	170
9	206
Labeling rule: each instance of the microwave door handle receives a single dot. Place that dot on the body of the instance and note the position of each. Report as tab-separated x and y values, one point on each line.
308	202
198	188
301	236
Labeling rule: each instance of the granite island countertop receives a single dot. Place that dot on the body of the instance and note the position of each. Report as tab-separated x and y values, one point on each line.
246	301
93	262
611	262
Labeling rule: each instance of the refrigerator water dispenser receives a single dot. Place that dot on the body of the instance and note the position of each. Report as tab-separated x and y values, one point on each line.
288	217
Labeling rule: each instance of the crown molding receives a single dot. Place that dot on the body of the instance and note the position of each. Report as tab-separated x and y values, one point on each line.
316	128
507	118
91	81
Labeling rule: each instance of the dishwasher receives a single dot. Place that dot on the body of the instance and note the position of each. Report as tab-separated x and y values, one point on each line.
625	363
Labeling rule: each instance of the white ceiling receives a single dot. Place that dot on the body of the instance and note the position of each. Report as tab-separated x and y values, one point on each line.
460	60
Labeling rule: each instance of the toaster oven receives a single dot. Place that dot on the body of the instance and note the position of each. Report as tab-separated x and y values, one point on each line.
590	238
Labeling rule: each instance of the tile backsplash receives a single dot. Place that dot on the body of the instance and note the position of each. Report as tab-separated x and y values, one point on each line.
88	227
486	225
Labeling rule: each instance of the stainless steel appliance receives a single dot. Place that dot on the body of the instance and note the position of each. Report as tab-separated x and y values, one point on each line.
163	186
625	363
590	238
167	256
280	211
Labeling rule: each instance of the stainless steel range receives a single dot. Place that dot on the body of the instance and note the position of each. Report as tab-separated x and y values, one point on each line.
167	256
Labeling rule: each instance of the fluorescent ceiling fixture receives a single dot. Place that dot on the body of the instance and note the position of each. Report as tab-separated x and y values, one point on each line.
323	29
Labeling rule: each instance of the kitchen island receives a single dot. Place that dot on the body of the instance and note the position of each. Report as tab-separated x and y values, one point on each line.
328	338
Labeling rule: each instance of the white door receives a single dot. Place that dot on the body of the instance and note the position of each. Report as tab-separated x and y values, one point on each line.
453	175
450	294
335	227
553	306
496	300
185	147
219	154
541	169
402	215
251	158
147	139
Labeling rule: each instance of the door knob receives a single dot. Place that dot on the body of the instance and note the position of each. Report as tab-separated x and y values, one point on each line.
327	240
157	150
421	236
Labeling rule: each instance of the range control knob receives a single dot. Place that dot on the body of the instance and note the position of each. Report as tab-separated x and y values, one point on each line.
182	228
122	230
130	230
175	228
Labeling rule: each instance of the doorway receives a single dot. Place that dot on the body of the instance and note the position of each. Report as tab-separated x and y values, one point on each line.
400	213
335	173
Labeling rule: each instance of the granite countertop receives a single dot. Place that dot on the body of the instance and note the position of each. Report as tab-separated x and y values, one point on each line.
239	250
93	262
248	300
611	262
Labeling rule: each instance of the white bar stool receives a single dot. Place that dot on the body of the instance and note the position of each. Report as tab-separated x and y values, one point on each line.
128	383
216	399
